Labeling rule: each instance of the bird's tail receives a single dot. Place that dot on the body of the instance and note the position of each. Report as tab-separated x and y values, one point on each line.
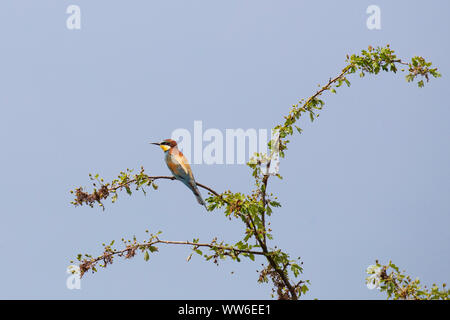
198	195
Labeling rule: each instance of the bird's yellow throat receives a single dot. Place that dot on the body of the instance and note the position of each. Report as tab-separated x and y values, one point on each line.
164	147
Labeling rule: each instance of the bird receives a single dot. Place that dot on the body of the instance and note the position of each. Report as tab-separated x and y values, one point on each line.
179	166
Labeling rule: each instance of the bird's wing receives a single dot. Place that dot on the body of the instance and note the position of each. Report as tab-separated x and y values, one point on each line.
180	166
181	169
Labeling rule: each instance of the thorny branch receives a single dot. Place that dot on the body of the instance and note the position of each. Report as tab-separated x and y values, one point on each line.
124	182
130	251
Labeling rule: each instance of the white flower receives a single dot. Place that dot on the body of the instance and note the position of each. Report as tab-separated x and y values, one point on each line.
373	281
73	269
374	269
74	280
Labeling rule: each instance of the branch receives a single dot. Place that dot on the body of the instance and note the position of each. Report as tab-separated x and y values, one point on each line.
371	61
274	265
125	180
89	263
153	178
265	179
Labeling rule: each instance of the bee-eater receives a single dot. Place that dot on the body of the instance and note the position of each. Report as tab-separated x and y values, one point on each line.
179	166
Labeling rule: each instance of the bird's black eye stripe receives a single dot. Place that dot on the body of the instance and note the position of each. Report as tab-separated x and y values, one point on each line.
165	143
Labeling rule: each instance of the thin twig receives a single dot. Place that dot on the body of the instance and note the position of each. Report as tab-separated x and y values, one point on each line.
153	178
107	255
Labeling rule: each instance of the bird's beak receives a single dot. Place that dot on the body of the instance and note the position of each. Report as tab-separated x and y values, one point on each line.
155	143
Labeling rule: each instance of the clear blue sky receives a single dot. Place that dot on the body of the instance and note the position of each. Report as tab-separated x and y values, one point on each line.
370	179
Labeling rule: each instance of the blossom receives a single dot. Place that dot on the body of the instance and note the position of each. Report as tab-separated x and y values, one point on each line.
374	280
73	269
